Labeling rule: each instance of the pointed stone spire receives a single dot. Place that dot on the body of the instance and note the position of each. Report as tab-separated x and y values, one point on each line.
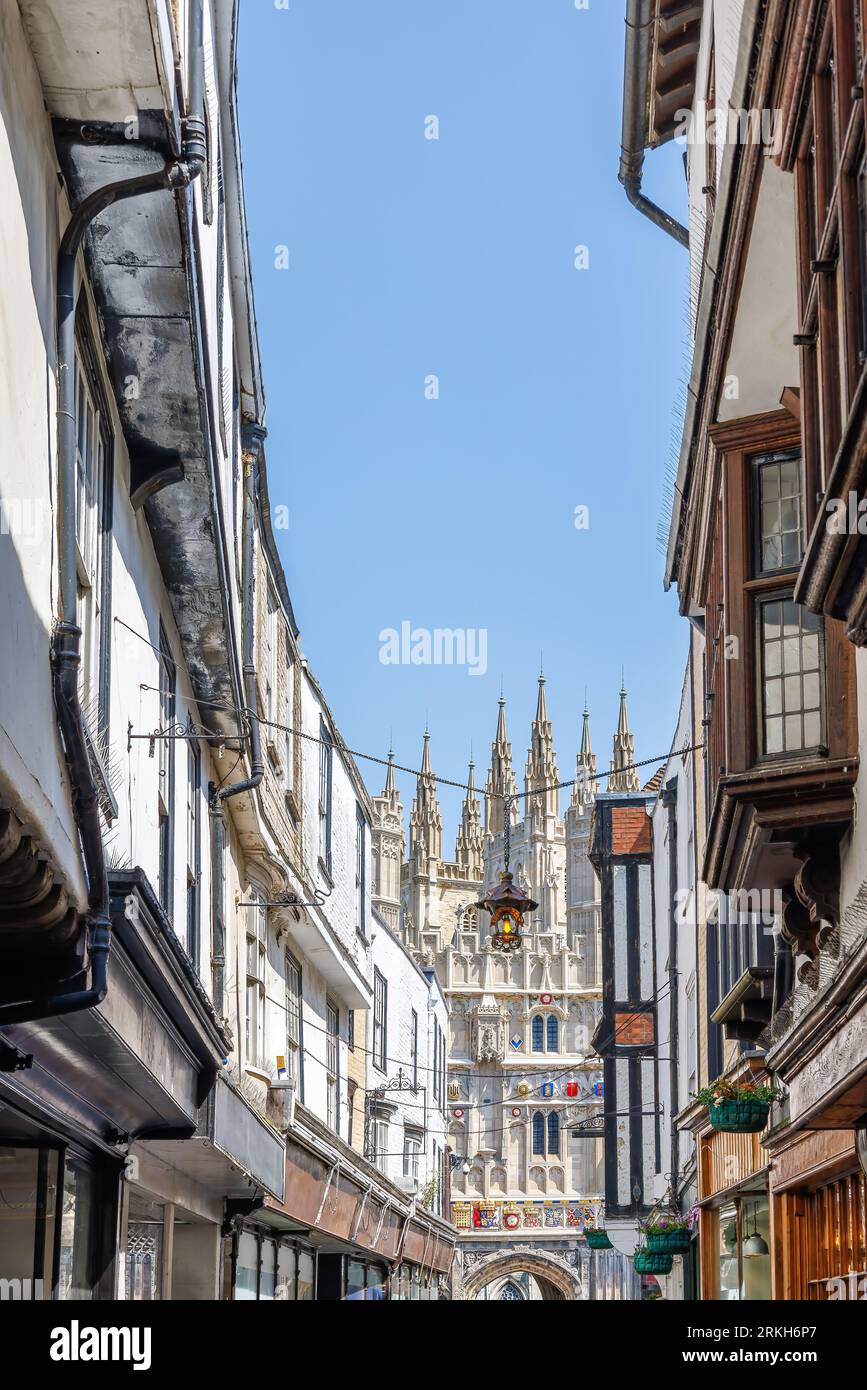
468	846
388	848
425	822
541	775
501	778
389	790
622	776
585	771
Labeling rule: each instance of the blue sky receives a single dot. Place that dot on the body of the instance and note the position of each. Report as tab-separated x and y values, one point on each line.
410	257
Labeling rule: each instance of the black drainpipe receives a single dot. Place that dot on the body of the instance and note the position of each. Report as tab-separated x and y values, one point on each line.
66	643
639	19
252	436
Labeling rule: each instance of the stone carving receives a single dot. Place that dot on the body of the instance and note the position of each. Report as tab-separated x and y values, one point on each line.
488	1033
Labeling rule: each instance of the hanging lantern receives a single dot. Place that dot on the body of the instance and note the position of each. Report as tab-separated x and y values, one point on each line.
507	904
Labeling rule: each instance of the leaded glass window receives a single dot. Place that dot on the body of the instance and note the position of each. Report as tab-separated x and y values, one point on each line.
790	640
778	478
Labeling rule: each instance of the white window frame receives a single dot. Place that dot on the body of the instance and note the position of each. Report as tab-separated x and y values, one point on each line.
332	1063
412	1154
256	959
294	986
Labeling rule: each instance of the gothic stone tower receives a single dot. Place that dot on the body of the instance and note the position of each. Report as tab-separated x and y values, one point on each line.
388	850
523	1075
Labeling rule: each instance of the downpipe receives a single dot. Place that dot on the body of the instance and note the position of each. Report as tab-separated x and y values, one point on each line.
637	59
66	641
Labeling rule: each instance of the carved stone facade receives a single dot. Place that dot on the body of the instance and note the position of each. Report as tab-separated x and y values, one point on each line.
523	1077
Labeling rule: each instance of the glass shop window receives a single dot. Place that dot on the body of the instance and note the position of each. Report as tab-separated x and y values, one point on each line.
143	1261
39	1190
28	1200
268	1272
727	1254
306	1276
286	1265
247	1267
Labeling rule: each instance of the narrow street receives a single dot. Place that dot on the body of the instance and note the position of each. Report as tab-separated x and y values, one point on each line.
432	865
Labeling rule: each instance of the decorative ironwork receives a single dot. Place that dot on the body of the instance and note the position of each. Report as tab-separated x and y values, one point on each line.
183	733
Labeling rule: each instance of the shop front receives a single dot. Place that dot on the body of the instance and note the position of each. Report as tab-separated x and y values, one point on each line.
819	1150
734	1217
58	1209
342	1232
120	1135
819	1193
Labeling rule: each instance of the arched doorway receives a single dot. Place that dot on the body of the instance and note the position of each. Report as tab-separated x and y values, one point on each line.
534	1275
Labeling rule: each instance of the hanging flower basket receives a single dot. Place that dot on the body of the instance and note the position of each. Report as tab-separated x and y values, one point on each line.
740	1116
652	1261
598	1240
738	1107
670	1240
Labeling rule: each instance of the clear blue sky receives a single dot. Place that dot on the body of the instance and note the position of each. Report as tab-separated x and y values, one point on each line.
454	256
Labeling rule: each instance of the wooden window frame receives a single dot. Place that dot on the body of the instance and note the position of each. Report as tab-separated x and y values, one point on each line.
740	444
830	154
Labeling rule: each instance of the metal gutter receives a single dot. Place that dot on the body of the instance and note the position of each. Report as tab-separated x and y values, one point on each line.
639	23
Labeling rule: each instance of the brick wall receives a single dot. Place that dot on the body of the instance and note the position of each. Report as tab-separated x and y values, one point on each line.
630	830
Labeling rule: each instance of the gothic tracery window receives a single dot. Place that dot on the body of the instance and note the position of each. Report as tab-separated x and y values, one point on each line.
546	1033
553	1133
539	1134
546	1134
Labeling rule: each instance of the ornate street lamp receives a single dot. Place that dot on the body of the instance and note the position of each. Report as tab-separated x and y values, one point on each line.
507	904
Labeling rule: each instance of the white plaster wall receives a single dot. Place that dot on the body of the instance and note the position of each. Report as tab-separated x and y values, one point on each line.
408	989
31	772
763	358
